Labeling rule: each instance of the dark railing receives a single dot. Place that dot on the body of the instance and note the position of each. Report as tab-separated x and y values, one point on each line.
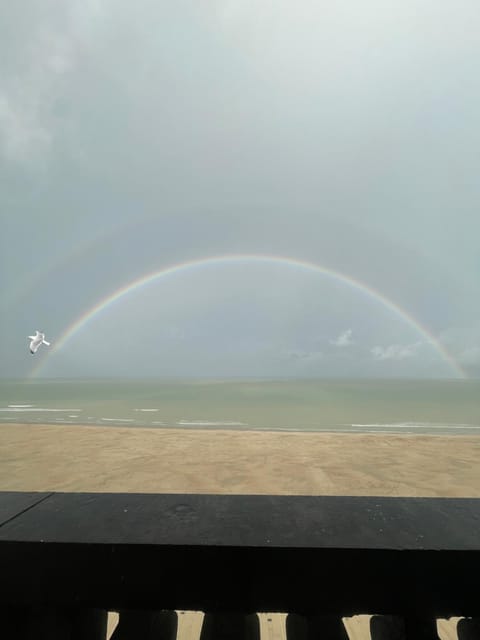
66	559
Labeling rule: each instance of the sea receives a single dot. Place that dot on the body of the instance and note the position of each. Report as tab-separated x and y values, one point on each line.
338	405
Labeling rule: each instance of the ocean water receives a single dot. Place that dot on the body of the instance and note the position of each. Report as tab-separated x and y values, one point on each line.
398	406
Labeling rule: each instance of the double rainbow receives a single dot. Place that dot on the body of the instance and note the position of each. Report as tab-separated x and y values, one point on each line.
107	302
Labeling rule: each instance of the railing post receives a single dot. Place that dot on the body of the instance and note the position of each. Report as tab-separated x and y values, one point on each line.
146	625
45	623
387	628
419	628
410	627
310	627
468	629
230	626
13	622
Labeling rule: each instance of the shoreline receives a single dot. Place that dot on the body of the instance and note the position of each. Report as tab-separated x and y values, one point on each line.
64	457
442	431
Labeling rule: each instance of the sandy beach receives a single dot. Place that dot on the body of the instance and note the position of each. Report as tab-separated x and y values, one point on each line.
119	459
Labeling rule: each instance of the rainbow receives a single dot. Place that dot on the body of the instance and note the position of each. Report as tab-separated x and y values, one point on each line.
59	264
182	267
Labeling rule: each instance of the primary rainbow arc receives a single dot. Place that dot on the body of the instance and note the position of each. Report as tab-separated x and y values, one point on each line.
154	276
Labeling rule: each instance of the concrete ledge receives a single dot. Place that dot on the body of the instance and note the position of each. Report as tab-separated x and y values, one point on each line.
218	553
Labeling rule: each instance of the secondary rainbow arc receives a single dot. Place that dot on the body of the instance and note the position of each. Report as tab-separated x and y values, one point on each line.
153	276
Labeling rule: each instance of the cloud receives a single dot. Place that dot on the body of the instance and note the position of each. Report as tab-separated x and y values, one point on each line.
395	351
28	95
344	339
21	132
33	69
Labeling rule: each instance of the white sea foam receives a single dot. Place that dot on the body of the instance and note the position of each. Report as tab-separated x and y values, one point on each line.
20	406
117	419
412	425
409	427
11	409
207	423
147	410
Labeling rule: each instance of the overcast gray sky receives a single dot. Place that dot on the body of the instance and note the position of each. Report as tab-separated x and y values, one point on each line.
134	136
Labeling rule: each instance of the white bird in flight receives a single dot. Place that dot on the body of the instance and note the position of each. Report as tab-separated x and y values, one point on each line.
36	341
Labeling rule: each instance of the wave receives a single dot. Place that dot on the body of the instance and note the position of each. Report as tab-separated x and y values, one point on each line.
17	409
412	425
208	423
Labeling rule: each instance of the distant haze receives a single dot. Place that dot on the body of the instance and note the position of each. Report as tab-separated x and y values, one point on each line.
134	137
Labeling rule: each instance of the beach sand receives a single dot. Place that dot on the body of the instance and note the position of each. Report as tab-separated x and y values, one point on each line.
122	459
118	459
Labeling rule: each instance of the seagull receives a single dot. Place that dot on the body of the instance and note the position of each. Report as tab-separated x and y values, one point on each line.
36	341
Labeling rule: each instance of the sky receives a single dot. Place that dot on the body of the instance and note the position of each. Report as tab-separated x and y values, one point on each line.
137	137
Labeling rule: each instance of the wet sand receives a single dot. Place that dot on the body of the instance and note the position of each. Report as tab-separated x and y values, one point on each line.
120	459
